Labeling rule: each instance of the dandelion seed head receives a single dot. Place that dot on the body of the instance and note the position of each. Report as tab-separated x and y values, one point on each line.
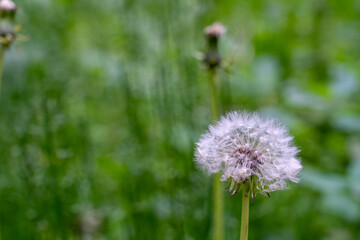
246	147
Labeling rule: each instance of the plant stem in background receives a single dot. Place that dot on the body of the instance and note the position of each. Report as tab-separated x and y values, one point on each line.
212	60
2	54
214	107
218	195
245	212
7	29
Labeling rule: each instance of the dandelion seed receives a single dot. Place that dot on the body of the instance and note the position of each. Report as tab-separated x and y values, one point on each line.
246	148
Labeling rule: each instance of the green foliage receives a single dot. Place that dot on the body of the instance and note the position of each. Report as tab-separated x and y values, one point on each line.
101	107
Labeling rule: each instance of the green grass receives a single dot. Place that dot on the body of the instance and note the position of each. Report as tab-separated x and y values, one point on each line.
101	107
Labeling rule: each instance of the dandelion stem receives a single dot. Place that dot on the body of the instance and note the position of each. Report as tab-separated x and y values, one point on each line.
245	212
218	209
218	195
2	54
214	107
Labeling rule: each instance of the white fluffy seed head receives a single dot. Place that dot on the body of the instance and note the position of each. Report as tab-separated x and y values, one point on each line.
245	147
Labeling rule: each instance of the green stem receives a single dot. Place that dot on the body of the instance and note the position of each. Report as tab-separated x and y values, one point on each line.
218	208
218	195
2	54
214	107
245	212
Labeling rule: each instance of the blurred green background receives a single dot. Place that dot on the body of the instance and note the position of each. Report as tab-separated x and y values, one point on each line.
101	107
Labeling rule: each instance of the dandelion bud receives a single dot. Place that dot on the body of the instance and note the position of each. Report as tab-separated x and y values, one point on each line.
7	5
216	30
213	33
245	148
7	24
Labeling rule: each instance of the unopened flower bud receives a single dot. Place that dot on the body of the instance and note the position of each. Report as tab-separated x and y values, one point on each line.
215	30
7	7
7	23
213	33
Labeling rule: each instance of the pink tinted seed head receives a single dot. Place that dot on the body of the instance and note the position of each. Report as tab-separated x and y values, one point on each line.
215	30
7	5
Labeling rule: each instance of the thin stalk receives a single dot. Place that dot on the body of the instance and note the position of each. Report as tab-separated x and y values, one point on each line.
2	54
245	212
214	107
218	209
218	195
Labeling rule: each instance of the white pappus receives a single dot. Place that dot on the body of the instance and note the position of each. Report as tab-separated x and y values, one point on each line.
246	147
